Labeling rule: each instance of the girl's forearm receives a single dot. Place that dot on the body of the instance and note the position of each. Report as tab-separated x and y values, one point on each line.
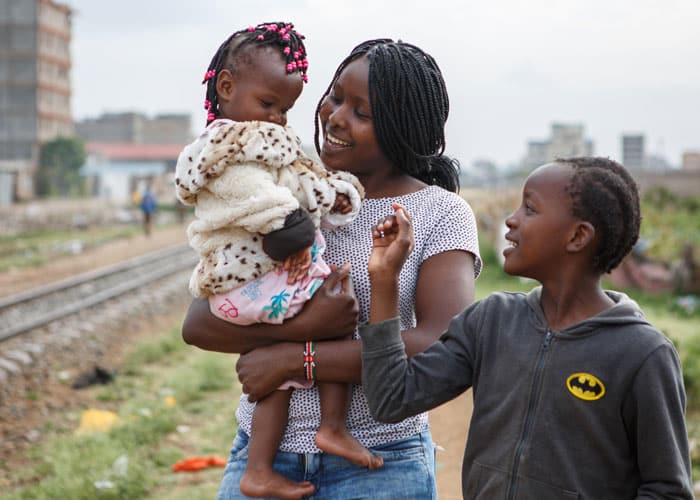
384	302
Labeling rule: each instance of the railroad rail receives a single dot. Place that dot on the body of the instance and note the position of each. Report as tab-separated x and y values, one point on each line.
40	306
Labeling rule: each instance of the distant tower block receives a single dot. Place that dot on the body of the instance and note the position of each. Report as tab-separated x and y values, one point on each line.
35	88
633	154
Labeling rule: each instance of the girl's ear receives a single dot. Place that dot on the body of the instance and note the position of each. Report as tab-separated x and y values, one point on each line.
581	237
225	85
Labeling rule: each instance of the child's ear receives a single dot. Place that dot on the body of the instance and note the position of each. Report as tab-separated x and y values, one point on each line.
582	235
225	85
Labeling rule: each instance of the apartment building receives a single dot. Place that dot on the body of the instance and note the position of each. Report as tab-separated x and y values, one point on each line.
35	88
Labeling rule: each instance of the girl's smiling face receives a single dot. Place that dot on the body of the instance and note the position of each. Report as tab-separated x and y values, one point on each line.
540	229
349	140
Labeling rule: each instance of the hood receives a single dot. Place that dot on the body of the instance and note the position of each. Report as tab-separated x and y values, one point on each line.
624	312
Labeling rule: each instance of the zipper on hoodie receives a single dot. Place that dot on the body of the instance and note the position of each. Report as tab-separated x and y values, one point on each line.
534	394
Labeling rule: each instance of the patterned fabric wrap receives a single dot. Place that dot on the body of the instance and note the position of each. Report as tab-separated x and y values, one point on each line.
269	299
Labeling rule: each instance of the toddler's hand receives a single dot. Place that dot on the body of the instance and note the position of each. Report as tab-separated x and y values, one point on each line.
392	241
297	265
342	204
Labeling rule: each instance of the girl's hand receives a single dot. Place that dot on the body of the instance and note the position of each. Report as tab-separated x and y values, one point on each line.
392	241
297	265
342	204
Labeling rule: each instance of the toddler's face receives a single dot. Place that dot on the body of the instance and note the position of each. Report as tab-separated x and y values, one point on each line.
261	90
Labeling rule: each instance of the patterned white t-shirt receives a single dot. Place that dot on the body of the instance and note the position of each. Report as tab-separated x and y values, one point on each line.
442	221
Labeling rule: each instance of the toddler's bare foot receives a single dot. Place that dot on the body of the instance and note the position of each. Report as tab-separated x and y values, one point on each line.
340	442
265	483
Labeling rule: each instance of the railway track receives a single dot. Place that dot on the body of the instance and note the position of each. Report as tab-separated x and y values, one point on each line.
38	307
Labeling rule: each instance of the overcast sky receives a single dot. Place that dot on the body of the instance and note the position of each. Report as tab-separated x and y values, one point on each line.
512	67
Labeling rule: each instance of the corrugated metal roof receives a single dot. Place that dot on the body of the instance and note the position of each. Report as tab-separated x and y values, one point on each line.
131	167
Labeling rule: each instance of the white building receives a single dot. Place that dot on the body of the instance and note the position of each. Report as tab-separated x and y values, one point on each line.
116	170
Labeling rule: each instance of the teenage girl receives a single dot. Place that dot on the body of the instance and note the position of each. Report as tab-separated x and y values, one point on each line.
381	118
259	201
576	395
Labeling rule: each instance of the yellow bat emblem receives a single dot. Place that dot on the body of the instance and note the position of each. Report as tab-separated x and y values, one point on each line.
585	386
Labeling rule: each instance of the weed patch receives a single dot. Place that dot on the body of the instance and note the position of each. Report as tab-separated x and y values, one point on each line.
173	401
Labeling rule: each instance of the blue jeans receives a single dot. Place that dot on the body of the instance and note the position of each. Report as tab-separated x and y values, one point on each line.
408	471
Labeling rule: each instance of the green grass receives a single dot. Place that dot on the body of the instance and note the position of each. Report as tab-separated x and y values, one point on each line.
668	223
133	459
36	248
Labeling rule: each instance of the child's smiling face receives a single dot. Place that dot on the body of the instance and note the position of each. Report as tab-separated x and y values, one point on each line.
540	229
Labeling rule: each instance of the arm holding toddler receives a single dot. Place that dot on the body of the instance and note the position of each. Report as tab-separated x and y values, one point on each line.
445	287
327	314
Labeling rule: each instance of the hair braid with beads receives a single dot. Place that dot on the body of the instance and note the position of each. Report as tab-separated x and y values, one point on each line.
604	193
409	105
230	56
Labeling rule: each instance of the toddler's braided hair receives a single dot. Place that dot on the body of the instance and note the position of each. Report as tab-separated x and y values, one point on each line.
604	193
234	54
409	104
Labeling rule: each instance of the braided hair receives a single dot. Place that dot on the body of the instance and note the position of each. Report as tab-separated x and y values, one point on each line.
409	104
234	53
604	193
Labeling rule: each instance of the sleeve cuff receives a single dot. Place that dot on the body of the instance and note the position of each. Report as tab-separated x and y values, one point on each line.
379	336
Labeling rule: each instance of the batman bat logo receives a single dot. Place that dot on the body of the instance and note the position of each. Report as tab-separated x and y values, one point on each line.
585	386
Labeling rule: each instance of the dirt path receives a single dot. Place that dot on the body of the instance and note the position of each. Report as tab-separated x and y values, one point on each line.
449	424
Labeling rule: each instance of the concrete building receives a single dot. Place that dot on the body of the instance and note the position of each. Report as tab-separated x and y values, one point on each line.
633	151
565	141
136	128
35	89
691	161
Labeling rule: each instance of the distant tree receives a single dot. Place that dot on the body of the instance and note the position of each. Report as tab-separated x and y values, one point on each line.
59	167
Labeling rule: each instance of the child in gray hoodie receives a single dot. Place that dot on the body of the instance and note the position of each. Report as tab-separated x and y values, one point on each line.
576	395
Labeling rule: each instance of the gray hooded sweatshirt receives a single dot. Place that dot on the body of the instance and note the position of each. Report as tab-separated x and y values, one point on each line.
594	411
